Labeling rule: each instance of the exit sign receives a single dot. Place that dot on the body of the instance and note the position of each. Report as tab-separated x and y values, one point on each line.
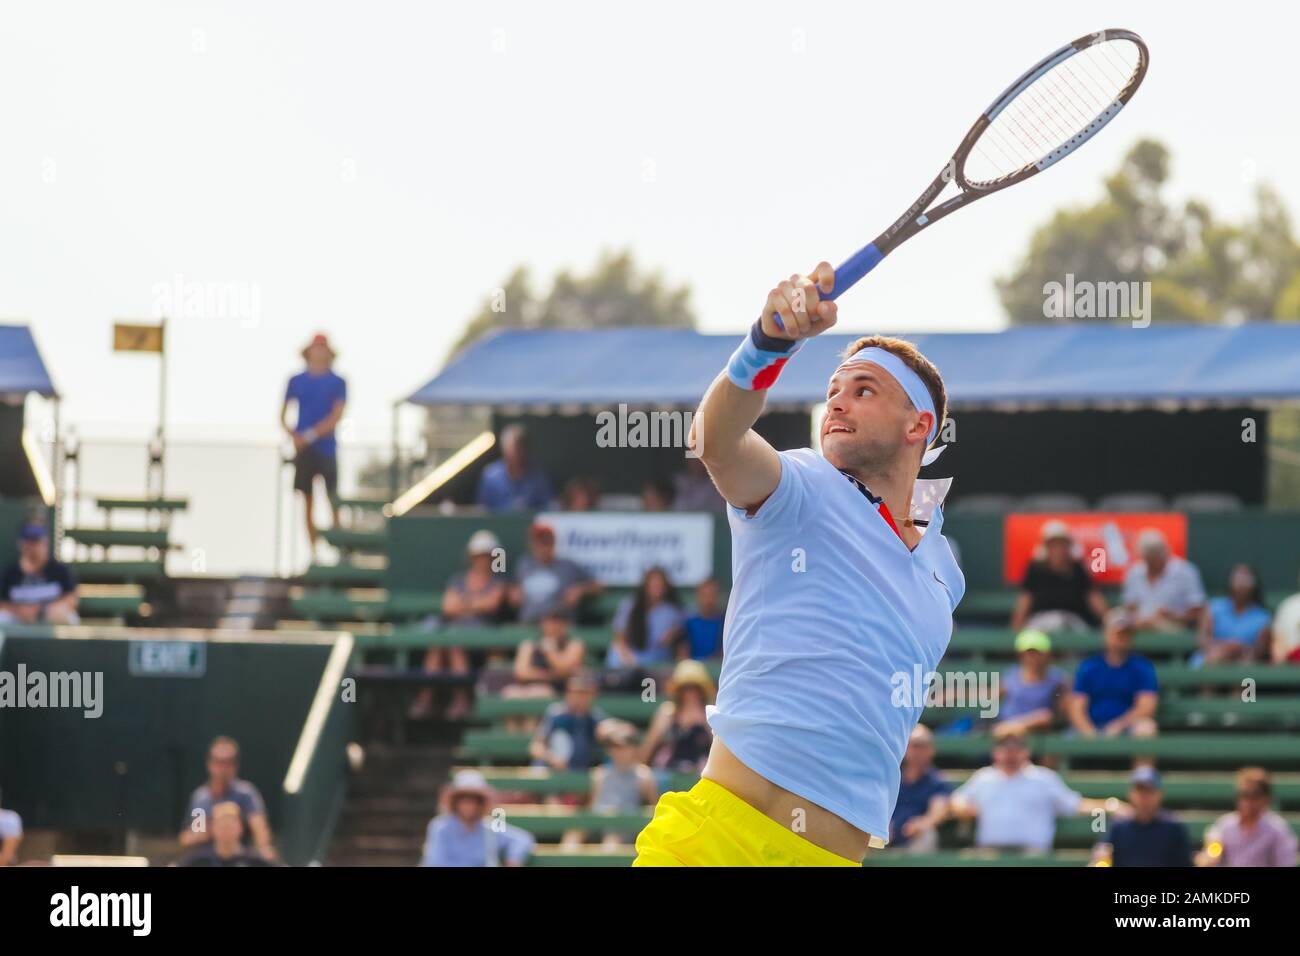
167	659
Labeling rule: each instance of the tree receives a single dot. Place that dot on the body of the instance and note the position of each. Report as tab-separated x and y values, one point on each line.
614	295
1200	269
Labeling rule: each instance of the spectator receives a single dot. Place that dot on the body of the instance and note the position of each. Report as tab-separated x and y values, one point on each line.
694	489
622	786
474	598
1115	691
580	494
543	666
647	624
1032	693
703	627
512	482
1286	631
37	589
320	396
1252	835
679	736
922	797
1162	589
225	786
1236	627
657	495
459	836
227	845
545	583
566	737
1151	837
1058	593
11	835
1015	802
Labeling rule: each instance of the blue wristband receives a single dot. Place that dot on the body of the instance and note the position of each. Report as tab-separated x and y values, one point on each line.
757	363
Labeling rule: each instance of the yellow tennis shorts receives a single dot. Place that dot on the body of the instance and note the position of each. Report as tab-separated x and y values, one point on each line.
709	825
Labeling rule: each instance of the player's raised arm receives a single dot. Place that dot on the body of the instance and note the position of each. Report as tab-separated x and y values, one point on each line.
743	465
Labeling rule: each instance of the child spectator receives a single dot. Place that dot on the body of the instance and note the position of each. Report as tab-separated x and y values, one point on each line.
1033	691
620	787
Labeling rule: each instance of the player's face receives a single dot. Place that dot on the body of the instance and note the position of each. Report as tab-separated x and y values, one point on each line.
867	418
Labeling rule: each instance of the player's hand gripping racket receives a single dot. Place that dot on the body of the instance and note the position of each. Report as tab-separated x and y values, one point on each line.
1059	104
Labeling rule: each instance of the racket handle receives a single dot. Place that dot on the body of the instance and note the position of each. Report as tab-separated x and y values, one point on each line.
850	271
854	268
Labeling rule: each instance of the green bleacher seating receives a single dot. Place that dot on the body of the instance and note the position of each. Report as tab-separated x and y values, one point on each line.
118	572
345	575
142	504
351	539
109	601
115	537
321	605
586	856
1002	640
1202	748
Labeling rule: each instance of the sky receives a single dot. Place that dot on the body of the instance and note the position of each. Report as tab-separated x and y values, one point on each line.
374	170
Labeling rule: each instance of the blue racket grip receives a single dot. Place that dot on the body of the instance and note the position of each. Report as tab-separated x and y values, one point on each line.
850	271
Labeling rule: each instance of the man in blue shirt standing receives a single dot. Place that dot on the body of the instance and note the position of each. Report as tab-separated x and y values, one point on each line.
1151	837
320	396
1115	691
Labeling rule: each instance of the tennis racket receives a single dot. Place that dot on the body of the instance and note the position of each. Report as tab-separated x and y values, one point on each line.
1055	107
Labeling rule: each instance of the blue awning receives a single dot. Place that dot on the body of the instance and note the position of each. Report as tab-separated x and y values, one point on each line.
21	368
1031	365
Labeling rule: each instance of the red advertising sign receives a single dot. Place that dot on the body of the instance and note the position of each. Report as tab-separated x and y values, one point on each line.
1106	542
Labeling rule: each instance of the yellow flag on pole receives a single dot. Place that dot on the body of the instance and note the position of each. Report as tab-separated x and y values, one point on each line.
133	337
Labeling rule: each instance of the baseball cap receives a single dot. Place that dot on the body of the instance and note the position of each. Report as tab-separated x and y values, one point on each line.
33	532
1146	777
1055	529
1032	640
1121	619
541	529
482	541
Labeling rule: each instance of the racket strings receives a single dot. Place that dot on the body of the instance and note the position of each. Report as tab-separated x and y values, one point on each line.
1057	107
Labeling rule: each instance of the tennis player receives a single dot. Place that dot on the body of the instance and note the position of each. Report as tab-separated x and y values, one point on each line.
842	585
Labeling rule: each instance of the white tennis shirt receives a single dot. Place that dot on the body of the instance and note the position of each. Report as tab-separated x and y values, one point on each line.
827	605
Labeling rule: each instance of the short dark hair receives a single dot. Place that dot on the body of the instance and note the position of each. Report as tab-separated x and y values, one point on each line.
913	359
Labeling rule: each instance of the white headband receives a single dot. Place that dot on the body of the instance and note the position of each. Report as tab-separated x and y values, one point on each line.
910	383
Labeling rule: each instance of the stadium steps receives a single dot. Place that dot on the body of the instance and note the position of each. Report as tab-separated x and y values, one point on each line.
114	602
389	805
357	540
148	505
